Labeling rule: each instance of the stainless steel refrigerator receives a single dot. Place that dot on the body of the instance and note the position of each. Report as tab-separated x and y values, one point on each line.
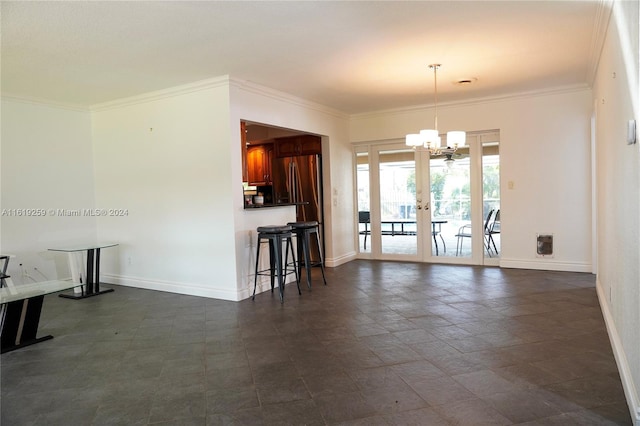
299	180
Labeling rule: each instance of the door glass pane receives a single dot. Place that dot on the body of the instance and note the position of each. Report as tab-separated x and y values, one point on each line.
491	197
364	225
451	204
398	201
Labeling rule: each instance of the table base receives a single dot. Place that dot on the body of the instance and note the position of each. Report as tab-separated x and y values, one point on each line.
26	343
84	294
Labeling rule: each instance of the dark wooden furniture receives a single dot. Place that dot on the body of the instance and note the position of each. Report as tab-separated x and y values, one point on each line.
259	158
293	146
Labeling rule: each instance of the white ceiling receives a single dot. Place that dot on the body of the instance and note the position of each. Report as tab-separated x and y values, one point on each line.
352	56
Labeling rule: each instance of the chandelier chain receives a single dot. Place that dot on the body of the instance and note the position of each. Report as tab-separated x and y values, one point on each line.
435	67
430	138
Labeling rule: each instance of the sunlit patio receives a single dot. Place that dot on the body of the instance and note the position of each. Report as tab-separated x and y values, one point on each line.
439	190
449	245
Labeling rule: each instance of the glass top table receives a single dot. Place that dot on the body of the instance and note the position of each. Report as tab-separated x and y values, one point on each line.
91	284
20	309
26	291
83	247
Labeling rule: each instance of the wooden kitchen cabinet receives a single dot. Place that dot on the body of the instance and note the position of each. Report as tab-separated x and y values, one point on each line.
243	142
259	158
298	145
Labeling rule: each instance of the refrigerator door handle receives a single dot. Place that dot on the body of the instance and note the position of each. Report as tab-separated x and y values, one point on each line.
289	182
293	182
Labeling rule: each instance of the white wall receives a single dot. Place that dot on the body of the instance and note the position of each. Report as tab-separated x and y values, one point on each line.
46	164
262	105
544	151
616	100
165	158
180	182
173	160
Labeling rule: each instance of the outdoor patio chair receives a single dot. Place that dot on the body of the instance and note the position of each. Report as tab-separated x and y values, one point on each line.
465	232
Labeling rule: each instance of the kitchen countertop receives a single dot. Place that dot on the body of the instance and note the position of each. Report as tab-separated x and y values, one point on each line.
263	206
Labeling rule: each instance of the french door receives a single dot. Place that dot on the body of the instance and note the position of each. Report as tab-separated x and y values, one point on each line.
433	209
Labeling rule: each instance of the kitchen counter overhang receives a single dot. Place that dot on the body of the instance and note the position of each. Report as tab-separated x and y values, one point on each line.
271	205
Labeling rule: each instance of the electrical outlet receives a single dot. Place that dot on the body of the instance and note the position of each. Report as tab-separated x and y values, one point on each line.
128	260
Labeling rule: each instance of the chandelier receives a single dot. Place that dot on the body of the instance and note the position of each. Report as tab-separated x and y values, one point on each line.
430	138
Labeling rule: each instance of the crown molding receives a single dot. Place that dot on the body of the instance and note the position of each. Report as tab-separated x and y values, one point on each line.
492	134
476	101
600	27
221	81
163	93
288	98
43	102
209	83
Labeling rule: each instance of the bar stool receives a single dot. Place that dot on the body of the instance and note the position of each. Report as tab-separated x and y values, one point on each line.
303	231
275	236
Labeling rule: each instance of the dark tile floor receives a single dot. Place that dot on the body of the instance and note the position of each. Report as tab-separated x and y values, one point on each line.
383	344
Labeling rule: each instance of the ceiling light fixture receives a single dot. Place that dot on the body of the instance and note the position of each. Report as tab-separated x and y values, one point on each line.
466	81
430	138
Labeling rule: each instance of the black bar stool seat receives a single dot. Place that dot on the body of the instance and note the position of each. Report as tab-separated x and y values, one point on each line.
275	235
303	231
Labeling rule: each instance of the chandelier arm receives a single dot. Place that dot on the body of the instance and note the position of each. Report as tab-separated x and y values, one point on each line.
430	138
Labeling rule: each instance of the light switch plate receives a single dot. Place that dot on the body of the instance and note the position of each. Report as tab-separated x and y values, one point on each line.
631	132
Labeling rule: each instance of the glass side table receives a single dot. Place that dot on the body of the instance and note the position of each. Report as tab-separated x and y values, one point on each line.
91	285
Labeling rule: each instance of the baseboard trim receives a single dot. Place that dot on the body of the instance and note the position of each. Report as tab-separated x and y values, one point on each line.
630	389
546	265
337	261
264	284
171	287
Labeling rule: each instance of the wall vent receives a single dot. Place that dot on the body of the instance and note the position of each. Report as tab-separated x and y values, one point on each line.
544	245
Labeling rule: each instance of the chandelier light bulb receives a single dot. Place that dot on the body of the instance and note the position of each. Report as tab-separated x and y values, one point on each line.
430	138
456	139
414	140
